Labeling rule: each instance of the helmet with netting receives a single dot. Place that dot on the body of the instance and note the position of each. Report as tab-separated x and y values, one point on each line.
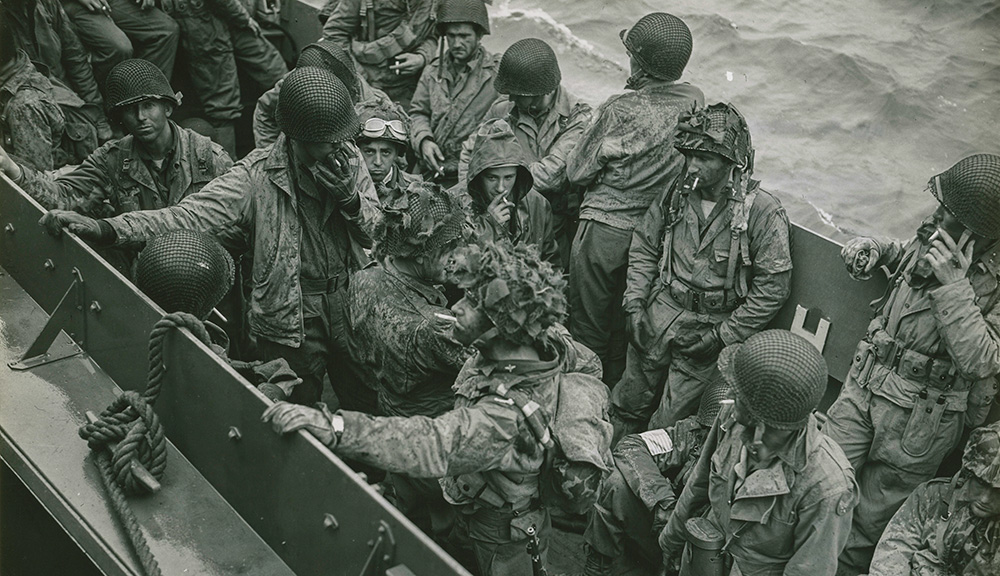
971	191
463	11
719	128
420	220
711	401
315	106
778	377
528	68
982	454
185	271
661	43
329	55
387	111
135	80
518	291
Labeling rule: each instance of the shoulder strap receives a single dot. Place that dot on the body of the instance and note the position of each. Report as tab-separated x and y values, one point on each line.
533	413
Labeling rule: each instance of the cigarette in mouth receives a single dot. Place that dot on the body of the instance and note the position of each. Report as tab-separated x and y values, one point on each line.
446	317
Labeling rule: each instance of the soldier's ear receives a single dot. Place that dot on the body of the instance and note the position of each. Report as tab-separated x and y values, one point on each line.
170	110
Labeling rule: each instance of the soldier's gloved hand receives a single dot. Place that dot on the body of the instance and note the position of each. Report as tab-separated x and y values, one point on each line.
336	175
708	344
273	392
636	329
286	418
83	226
861	256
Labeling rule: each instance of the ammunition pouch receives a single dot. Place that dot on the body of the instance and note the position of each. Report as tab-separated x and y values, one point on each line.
938	373
697	301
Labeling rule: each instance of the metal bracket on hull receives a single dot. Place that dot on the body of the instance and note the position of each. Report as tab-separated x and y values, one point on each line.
70	316
383	549
817	338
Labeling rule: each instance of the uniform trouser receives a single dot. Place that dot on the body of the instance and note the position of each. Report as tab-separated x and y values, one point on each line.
500	548
422	501
596	285
620	522
212	66
130	32
870	429
659	388
257	57
324	352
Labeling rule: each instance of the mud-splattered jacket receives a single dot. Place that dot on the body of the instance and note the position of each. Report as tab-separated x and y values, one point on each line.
935	534
792	517
393	340
935	341
254	206
31	122
626	157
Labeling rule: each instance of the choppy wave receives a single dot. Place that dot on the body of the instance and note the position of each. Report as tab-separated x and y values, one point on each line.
853	104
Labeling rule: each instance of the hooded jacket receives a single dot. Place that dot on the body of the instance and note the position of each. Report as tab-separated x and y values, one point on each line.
497	146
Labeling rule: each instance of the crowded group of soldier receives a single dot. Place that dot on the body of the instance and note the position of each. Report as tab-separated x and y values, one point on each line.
502	284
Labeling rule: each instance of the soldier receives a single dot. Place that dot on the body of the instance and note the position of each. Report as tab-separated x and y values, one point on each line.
32	125
484	450
455	90
155	165
305	208
218	35
949	526
650	471
395	334
384	141
926	368
116	30
625	159
501	202
781	492
392	41
548	122
323	54
709	265
42	30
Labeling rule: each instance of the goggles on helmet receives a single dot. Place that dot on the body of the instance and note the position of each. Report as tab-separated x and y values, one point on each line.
377	128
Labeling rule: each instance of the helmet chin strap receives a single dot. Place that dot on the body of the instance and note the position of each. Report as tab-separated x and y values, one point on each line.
758	438
637	80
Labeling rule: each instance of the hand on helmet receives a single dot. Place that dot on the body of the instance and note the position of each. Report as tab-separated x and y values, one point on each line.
861	256
286	418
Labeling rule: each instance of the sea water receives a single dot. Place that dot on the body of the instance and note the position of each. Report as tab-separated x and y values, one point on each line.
852	104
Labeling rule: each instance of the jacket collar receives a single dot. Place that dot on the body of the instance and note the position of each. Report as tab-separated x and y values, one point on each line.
277	165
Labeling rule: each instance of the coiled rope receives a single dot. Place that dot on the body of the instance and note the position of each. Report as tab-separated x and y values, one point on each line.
128	432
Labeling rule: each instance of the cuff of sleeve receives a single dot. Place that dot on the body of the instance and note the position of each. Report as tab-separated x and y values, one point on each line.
634	305
352	207
108	234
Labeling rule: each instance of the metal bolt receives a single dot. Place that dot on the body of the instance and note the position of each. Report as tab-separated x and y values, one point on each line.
330	522
49	264
381	529
234	433
9	228
95	306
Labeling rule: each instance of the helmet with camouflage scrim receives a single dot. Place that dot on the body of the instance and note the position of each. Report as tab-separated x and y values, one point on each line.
518	291
778	377
982	454
971	191
528	68
719	128
463	11
384	120
661	44
421	220
329	55
135	80
185	271
315	106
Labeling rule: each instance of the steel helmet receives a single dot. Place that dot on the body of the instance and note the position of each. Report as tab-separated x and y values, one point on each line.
422	220
329	55
982	454
971	191
777	376
315	106
384	120
459	11
135	80
528	68
185	271
661	43
719	128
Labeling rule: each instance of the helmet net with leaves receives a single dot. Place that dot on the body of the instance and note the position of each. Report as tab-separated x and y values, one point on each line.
314	106
463	11
518	291
777	376
982	454
528	68
135	80
971	191
185	271
386	110
661	43
420	220
719	128
328	55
